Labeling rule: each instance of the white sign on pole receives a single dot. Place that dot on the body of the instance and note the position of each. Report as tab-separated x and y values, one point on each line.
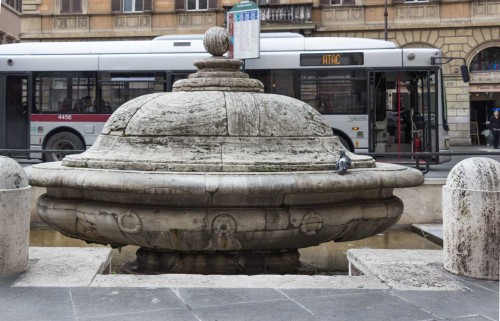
243	23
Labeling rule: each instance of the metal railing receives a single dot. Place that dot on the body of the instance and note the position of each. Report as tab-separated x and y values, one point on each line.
24	155
283	13
291	13
426	157
422	159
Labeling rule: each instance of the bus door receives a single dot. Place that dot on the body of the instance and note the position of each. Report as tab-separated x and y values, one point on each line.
403	109
416	107
377	110
425	113
14	112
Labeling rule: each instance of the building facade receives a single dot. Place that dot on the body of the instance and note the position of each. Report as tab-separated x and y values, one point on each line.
468	29
10	21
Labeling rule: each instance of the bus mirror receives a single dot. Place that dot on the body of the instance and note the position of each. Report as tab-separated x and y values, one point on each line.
465	73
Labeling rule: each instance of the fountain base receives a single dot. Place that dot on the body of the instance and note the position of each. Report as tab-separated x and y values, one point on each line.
150	261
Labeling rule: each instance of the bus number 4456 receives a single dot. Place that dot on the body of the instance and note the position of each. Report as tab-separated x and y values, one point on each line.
64	117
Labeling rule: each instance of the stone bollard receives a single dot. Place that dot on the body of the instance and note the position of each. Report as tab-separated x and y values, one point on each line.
471	219
14	217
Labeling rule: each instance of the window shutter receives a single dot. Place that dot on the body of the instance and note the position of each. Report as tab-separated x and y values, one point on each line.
349	2
180	5
65	6
212	4
116	5
148	5
77	6
324	3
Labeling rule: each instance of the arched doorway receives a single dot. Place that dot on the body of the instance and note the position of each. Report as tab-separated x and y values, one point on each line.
484	89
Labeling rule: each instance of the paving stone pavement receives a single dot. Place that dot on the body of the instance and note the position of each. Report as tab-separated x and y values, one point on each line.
57	287
478	302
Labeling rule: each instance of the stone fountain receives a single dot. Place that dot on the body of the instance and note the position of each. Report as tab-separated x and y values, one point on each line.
218	177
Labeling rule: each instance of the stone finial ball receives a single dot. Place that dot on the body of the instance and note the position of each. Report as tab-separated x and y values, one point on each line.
216	41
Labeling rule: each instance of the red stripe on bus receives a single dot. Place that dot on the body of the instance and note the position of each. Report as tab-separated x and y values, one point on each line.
89	118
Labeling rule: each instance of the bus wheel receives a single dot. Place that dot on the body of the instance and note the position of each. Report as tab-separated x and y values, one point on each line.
345	143
62	141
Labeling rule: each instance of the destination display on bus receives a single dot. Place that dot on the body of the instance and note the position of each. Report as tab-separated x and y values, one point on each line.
332	59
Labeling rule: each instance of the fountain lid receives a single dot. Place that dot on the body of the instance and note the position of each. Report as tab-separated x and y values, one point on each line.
217	120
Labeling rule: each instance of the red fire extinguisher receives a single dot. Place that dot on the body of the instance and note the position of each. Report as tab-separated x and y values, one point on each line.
417	144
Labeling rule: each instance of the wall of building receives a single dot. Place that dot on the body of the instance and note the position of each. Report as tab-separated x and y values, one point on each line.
10	24
43	20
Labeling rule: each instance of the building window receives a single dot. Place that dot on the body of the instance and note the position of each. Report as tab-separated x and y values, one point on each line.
193	5
197	4
15	4
71	6
133	5
271	2
118	6
330	3
486	60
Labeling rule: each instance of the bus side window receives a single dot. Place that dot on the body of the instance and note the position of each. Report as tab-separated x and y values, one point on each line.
282	82
329	105
118	88
334	91
103	107
16	93
84	105
263	76
64	92
66	105
326	104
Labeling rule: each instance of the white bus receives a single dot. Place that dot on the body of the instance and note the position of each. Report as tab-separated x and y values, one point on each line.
375	96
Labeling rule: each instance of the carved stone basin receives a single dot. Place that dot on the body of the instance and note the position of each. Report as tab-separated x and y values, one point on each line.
218	177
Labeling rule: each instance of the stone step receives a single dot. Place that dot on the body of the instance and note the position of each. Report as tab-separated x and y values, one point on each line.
431	231
404	269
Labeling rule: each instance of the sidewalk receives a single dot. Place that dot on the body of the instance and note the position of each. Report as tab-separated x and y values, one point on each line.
474	148
265	297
